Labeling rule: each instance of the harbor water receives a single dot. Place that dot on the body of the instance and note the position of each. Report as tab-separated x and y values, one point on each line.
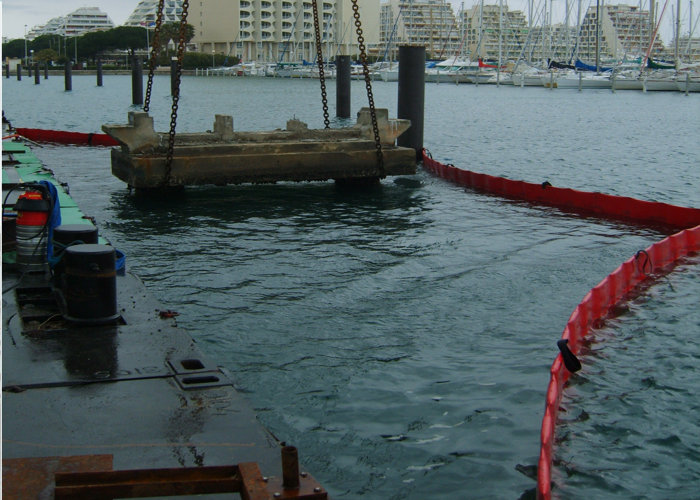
401	335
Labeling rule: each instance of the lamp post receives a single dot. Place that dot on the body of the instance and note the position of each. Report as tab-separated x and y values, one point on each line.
212	55
25	44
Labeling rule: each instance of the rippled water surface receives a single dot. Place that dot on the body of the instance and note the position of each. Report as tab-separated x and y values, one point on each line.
401	336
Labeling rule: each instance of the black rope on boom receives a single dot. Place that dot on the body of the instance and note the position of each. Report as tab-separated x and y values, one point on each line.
176	93
319	61
155	49
571	362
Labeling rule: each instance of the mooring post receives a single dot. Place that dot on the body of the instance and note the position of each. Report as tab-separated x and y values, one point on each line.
136	81
37	74
7	70
46	70
173	75
19	72
290	467
29	70
99	72
412	95
342	86
69	75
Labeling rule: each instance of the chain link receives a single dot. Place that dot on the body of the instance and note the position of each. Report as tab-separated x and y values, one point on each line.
368	85
176	93
319	59
155	49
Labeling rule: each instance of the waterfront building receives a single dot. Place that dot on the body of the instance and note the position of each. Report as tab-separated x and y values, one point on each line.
76	23
146	12
430	23
624	31
496	30
281	30
556	42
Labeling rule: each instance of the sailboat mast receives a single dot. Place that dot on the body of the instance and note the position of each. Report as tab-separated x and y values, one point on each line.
597	36
678	30
500	40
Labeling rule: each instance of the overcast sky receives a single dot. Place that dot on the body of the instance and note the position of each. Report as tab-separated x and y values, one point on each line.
17	13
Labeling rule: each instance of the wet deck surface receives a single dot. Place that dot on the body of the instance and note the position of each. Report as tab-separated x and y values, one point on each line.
140	391
133	394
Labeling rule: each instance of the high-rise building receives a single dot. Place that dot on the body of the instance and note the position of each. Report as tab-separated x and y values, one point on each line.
280	30
496	30
623	31
76	23
430	23
146	13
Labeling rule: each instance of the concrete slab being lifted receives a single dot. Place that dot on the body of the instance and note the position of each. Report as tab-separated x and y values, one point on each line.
223	156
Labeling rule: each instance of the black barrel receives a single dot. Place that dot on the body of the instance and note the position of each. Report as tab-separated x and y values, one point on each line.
67	235
90	284
72	234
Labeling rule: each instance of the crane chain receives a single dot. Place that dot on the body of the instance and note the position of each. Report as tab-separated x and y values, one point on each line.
368	85
176	93
319	59
155	49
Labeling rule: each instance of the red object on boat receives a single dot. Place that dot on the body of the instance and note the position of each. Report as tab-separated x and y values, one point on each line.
32	209
64	137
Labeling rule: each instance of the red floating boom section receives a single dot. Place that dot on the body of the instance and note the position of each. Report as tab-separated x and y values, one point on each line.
63	137
599	204
594	306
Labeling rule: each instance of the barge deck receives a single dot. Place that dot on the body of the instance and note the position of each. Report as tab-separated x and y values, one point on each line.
127	394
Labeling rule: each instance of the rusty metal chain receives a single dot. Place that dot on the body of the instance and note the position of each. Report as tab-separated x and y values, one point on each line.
368	85
319	59
155	49
176	93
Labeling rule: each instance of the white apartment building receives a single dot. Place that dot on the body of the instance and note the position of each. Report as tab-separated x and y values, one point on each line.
496	30
624	30
146	13
76	23
430	23
281	30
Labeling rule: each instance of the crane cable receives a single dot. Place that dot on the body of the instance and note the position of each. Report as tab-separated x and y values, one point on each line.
319	61
176	92
155	49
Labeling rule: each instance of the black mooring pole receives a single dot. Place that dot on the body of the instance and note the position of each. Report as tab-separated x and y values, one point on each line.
412	95
69	75
46	70
29	70
342	87
136	81
99	72
19	72
173	75
7	70
37	74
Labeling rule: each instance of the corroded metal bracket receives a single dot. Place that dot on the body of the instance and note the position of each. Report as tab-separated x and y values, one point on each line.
90	477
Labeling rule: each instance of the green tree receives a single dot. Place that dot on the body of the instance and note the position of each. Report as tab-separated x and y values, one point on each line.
13	48
46	55
171	31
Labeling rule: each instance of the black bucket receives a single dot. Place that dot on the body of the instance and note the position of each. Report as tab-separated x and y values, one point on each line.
90	284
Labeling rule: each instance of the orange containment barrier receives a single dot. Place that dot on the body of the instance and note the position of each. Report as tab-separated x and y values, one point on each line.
595	306
599	204
63	137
